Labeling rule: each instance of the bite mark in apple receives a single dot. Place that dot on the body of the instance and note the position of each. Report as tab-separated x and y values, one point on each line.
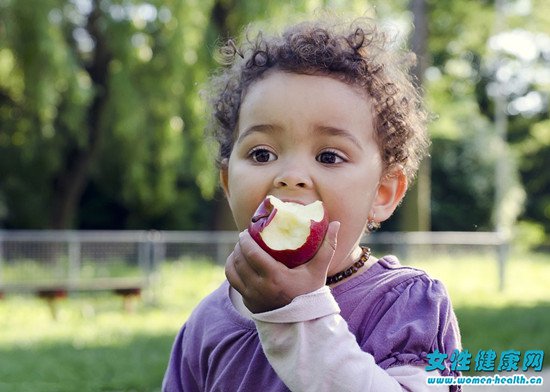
290	232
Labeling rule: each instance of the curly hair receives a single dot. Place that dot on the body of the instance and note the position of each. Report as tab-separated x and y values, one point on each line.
359	55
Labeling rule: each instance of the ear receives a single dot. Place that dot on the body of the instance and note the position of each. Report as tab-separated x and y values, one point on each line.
391	189
224	176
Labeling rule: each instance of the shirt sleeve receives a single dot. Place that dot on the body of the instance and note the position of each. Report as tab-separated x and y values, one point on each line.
412	319
178	369
295	337
413	378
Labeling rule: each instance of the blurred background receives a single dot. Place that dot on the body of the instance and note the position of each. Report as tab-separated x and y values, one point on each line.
108	185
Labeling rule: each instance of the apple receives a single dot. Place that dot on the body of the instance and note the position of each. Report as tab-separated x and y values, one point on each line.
290	232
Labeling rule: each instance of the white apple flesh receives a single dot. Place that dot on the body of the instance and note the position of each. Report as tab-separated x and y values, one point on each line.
290	232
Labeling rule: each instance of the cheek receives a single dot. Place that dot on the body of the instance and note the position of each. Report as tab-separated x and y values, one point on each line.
351	205
245	194
242	210
347	210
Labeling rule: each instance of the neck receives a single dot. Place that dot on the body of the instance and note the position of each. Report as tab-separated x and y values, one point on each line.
351	258
355	267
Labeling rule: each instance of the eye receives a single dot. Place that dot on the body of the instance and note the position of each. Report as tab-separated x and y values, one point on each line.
262	155
329	158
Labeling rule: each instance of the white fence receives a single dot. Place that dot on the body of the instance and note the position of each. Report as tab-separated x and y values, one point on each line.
79	256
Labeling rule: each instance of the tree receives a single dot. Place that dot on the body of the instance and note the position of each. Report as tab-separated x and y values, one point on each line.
416	210
101	124
462	161
460	86
99	96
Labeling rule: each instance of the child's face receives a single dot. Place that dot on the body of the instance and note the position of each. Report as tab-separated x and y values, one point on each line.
304	138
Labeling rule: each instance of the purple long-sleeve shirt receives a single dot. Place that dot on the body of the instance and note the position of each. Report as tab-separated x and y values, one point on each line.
397	314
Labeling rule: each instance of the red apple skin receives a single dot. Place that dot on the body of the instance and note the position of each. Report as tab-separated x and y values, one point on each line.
290	257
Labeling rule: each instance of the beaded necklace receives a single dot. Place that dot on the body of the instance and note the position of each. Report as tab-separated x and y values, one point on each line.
350	270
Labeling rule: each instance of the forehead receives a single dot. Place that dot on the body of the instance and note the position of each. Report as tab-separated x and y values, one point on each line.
284	96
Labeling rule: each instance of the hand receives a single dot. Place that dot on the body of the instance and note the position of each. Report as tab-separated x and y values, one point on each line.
265	284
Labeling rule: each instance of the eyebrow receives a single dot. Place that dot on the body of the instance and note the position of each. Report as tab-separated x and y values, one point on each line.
261	128
328	130
332	131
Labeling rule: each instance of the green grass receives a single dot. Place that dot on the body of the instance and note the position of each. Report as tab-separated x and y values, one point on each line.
95	346
24	270
517	317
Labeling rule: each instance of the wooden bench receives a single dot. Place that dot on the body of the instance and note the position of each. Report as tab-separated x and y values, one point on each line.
53	291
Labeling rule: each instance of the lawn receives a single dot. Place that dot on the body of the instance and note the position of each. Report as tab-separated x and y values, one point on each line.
515	318
95	346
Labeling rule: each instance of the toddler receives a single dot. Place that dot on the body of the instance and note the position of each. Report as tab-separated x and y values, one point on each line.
327	112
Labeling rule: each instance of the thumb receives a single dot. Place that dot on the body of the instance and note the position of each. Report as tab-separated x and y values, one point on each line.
322	259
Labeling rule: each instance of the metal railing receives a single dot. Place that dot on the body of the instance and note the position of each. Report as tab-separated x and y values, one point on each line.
81	256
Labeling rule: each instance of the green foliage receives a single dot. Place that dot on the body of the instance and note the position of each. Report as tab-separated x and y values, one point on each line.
460	87
463	200
156	157
528	236
117	81
101	121
34	80
534	163
102	124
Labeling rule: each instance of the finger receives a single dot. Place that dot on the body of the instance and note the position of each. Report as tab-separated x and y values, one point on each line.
322	259
232	275
243	266
257	258
246	281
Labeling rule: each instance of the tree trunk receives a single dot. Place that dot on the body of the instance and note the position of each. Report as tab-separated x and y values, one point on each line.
71	182
219	15
416	209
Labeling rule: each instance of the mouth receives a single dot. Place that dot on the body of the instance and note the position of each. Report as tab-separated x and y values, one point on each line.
295	201
260	216
266	210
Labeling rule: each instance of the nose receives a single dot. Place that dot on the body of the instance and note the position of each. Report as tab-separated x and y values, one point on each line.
294	176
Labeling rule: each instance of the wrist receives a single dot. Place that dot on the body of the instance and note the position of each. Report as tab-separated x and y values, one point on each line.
310	306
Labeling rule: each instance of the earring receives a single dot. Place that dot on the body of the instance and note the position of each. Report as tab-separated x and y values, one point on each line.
372	225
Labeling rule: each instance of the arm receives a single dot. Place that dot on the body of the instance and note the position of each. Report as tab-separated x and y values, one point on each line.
309	351
294	347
